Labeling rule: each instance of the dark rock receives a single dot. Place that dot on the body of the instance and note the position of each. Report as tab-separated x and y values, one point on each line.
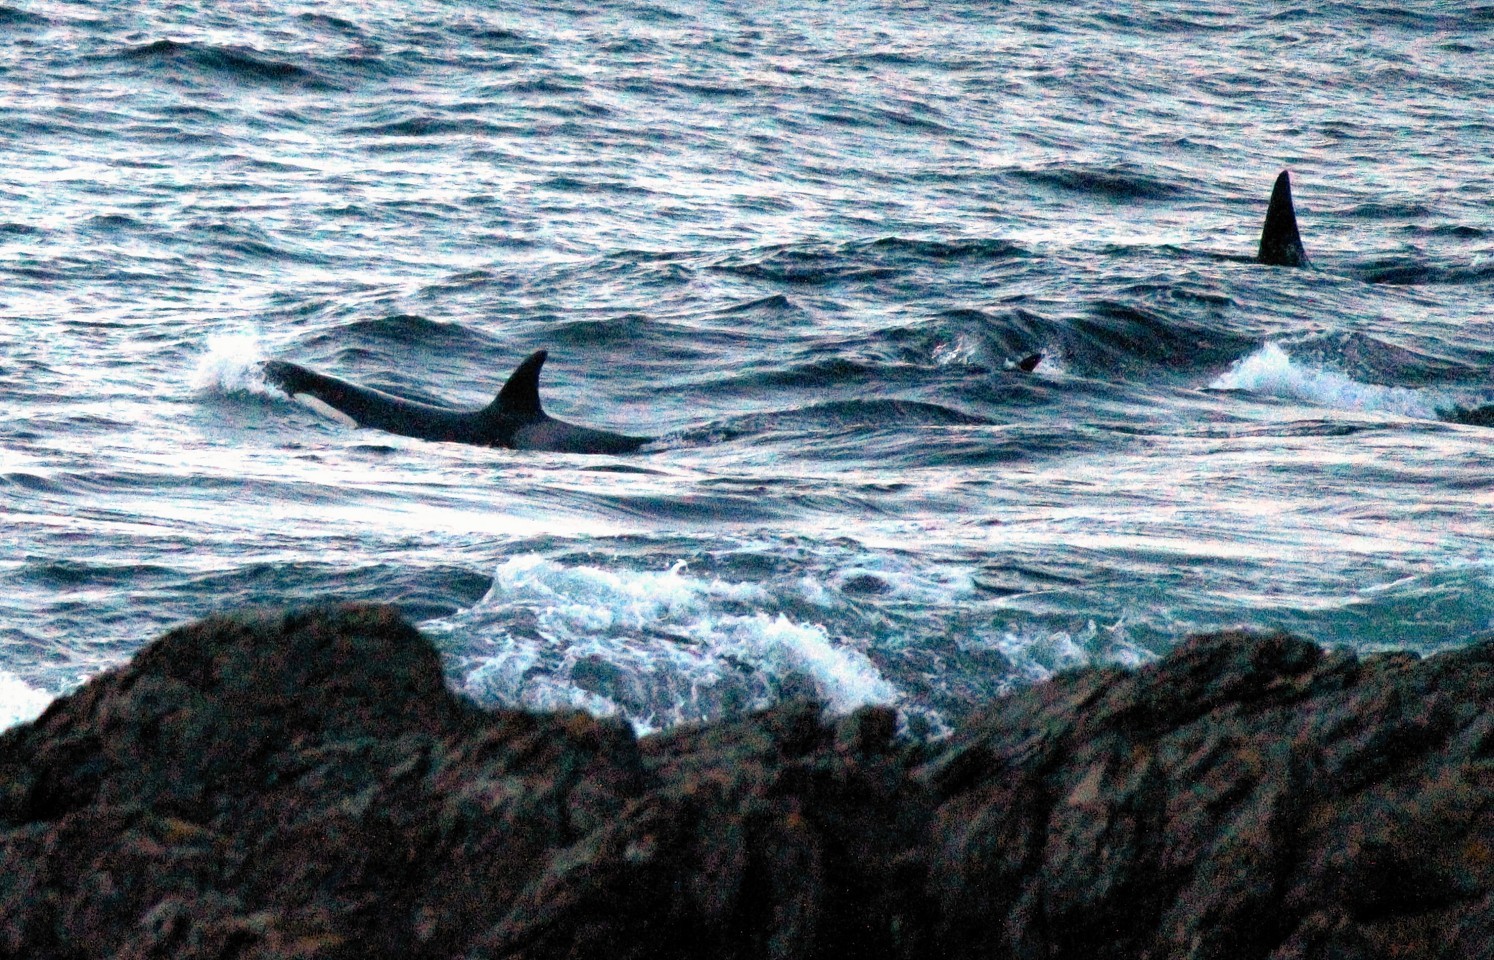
1245	797
305	785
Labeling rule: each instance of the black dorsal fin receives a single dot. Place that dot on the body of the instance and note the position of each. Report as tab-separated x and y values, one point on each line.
1281	244
520	396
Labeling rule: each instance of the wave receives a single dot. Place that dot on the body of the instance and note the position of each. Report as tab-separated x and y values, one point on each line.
871	117
1114	184
825	373
235	63
776	304
804	267
244	242
660	648
819	263
1118	335
1396	272
13	17
614	331
977	249
406	329
1377	359
19	701
332	23
879	413
428	125
1271	372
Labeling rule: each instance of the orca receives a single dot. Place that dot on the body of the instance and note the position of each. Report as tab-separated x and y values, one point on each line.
514	419
1281	244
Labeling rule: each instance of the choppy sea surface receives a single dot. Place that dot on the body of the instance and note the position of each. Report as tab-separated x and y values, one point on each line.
799	243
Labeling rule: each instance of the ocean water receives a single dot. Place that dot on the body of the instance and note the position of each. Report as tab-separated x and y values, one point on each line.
799	243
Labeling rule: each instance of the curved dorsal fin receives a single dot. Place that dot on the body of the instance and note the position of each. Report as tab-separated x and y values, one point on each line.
520	395
1281	244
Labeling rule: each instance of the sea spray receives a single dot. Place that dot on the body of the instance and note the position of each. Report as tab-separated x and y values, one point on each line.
661	647
1271	371
230	365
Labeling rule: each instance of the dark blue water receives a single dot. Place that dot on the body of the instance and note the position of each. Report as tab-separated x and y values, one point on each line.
799	243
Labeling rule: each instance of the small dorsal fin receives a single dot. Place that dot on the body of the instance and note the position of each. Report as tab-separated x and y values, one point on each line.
520	395
1281	244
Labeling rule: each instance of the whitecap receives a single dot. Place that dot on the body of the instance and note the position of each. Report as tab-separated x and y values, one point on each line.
1271	372
660	647
231	365
19	701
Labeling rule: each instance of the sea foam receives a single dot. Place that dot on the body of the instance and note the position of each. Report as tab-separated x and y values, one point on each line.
659	647
231	365
19	701
1271	372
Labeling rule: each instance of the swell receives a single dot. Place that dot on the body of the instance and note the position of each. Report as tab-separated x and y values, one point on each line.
1118	336
811	425
401	329
1396	271
826	264
1110	184
16	17
232	63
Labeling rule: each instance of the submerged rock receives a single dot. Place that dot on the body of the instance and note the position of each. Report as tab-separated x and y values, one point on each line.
304	784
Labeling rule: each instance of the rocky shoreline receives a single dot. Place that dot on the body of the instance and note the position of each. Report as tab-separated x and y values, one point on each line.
303	784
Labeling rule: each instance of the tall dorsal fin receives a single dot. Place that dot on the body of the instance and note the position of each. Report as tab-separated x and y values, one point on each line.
520	396
1281	244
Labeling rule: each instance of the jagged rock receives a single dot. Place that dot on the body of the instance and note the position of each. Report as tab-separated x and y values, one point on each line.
1245	797
304	785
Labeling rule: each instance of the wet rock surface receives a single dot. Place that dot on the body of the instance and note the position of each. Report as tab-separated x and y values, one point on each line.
303	785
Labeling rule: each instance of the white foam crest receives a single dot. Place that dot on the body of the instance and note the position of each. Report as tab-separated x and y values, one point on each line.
1270	371
541	692
845	678
961	351
1039	654
19	701
232	365
661	647
592	599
